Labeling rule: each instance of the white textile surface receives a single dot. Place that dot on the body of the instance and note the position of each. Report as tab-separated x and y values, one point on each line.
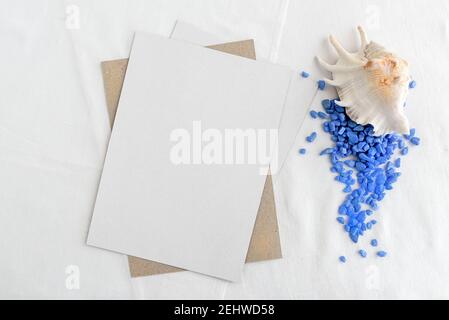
54	131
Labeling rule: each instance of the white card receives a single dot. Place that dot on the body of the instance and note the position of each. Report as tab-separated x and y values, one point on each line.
300	94
193	215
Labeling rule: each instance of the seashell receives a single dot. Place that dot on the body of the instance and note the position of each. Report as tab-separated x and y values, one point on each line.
372	85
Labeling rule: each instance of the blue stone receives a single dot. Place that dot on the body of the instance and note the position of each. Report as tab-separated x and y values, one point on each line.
381	253
326	103
362	253
321	84
322	115
415	140
311	137
404	151
355	147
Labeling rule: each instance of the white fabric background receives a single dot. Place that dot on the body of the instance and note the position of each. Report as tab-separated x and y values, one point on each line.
54	130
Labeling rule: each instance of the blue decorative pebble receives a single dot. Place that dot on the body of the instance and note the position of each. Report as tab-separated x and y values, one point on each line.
342	259
313	114
302	151
362	253
412	84
305	74
363	163
311	137
415	140
350	163
322	115
381	253
404	151
411	134
321	84
367	154
341	220
326	151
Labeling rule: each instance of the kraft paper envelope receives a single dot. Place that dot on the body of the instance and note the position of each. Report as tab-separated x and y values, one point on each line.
169	192
265	243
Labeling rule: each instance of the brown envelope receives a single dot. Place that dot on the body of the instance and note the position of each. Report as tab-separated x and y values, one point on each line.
265	243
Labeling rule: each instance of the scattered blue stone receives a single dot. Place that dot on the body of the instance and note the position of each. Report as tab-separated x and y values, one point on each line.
321	84
342	259
341	220
305	74
302	151
327	151
404	151
362	162
354	234
311	137
415	141
350	163
322	115
411	134
362	253
313	114
326	103
412	84
381	253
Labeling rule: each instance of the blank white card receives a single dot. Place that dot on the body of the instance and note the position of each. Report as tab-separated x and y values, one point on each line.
175	187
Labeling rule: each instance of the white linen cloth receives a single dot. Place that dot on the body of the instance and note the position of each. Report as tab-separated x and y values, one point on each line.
54	131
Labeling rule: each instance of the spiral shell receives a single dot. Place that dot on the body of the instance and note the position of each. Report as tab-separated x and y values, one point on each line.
372	85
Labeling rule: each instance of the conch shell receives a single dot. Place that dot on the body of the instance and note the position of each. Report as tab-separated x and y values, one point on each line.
372	85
